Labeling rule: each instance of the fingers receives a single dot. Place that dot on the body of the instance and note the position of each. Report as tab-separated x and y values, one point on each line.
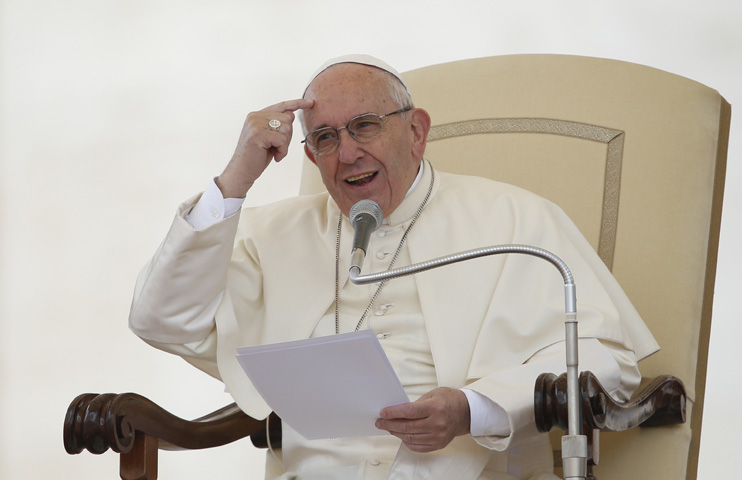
416	427
418	435
259	143
280	117
291	105
422	443
283	112
272	128
272	132
431	422
407	411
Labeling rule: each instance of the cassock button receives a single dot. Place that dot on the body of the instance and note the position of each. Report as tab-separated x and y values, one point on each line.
375	462
383	309
381	233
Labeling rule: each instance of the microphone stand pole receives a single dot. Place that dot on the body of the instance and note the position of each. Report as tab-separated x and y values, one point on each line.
574	445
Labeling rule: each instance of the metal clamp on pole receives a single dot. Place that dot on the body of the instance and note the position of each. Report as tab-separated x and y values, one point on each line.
574	456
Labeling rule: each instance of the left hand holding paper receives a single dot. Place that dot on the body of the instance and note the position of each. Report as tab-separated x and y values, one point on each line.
431	422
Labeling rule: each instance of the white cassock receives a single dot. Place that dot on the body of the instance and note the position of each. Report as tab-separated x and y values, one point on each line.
474	324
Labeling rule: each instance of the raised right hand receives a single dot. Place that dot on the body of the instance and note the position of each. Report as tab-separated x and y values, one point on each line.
258	145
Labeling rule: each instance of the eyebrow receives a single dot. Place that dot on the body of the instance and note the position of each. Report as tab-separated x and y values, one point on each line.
324	125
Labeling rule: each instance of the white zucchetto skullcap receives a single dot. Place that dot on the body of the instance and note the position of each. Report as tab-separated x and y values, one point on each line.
357	58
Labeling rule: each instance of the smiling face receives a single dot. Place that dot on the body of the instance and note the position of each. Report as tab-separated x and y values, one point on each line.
382	169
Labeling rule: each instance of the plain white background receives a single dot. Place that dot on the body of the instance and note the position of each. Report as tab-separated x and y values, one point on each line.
114	111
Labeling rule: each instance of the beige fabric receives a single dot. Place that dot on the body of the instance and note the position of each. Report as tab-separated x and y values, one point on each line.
578	130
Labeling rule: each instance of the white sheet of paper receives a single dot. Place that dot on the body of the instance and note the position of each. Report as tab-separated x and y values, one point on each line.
325	387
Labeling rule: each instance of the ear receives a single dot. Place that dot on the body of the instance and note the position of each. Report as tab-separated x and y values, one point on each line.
309	154
419	128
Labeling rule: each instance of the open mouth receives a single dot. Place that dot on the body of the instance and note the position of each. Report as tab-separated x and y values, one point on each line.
361	180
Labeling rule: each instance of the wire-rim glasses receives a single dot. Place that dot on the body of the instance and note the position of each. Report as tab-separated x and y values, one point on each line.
362	128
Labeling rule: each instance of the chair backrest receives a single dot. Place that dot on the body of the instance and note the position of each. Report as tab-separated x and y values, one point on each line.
636	157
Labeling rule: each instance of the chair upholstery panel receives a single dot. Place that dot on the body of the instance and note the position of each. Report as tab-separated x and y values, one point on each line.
645	190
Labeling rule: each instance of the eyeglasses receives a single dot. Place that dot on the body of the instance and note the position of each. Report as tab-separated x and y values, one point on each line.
362	128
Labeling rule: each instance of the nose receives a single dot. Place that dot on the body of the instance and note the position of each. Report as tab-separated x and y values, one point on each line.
348	151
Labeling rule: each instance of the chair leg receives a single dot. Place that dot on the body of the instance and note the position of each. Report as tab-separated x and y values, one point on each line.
141	462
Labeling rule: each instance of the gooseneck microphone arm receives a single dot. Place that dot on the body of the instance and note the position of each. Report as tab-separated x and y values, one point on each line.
574	445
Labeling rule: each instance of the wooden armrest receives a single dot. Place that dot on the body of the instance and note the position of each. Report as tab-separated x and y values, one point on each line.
136	427
660	402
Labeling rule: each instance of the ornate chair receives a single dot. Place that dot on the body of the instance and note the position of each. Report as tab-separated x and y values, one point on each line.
636	156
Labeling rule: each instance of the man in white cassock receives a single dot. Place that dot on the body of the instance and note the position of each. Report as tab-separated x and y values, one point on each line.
467	341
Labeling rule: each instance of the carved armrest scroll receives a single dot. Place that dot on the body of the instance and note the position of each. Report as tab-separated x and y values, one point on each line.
661	402
99	422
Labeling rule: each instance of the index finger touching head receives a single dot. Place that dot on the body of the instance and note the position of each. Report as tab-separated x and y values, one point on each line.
294	105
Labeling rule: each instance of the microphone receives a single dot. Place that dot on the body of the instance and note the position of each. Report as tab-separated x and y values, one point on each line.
366	217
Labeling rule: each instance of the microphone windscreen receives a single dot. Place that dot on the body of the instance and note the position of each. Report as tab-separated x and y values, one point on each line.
368	207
